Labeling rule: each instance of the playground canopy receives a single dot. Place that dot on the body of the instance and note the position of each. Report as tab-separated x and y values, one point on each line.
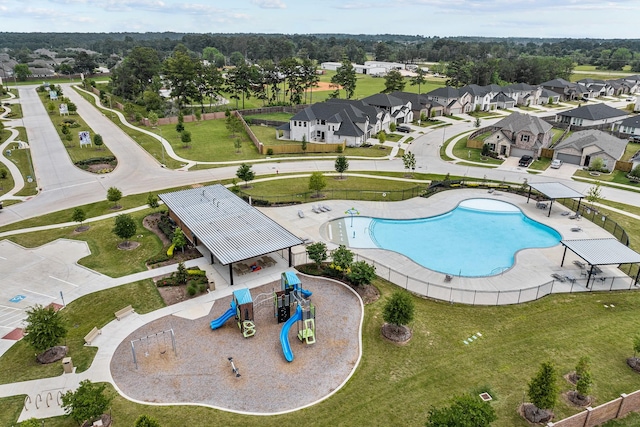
230	228
553	191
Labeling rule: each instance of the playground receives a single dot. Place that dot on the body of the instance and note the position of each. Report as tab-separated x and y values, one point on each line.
200	371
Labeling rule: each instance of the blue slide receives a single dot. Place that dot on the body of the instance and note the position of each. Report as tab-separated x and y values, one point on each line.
284	334
305	293
215	324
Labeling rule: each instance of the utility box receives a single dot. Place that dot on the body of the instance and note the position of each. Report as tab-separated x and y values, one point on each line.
67	365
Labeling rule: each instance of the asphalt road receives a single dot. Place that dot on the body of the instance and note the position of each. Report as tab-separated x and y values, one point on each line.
64	186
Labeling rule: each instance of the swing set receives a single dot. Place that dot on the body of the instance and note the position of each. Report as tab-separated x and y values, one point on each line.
160	338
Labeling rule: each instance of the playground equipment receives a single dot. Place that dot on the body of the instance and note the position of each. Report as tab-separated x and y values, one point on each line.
292	295
241	308
233	367
161	343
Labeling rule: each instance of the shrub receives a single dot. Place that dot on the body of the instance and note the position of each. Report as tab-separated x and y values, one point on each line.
269	151
399	309
3	173
192	290
196	272
361	273
170	250
161	257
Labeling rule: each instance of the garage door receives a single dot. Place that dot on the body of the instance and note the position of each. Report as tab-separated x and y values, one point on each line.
519	152
569	158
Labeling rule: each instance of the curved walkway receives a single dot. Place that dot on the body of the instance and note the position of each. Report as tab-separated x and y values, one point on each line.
18	180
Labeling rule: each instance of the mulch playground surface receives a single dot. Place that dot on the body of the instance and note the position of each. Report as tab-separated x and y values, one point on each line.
201	372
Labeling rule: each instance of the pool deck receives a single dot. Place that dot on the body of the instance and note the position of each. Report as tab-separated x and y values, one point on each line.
530	275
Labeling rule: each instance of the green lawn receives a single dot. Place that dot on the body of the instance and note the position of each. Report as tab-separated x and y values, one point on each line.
73	147
461	151
80	316
16	111
22	160
540	164
281	117
557	133
618	177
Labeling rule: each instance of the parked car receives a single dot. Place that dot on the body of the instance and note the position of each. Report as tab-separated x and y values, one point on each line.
630	99
525	161
634	138
556	163
403	128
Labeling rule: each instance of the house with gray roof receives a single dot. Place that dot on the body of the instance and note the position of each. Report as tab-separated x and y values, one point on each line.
335	121
501	100
629	126
420	104
518	135
451	99
591	115
399	109
582	147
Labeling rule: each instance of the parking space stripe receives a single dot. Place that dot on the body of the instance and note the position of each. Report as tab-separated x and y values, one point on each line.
38	293
63	281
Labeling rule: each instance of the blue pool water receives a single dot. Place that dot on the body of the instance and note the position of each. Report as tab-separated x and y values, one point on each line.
480	237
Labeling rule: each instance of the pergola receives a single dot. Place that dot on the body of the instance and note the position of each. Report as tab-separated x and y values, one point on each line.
231	229
555	190
606	251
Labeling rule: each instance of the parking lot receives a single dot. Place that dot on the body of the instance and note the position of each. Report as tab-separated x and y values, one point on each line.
39	276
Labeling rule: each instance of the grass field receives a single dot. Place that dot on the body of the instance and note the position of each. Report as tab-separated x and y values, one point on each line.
73	147
22	160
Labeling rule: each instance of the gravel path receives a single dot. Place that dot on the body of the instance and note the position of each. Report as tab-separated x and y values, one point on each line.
201	372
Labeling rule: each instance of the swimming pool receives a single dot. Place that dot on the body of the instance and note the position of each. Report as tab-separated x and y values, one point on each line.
480	237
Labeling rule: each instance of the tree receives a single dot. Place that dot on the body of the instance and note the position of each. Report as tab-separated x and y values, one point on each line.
180	124
341	165
596	164
393	82
181	273
477	123
594	194
185	137
179	239
180	71
31	422
114	195
153	119
152	201
45	327
97	140
317	182
304	143
543	387
22	72
87	403
245	173
465	411
147	421
635	172
399	309
317	253
419	79
345	76
78	215
341	259
4	173
237	144
125	227
213	55
361	273
51	106
233	123
409	161
130	110
382	137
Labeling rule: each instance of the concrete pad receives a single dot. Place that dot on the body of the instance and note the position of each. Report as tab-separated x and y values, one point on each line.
196	311
39	275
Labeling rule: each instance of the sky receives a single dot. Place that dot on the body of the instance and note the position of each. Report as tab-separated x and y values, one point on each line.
442	18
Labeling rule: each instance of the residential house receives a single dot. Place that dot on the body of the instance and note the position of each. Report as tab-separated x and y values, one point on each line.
548	97
568	90
420	104
501	100
629	126
336	121
519	134
582	147
591	115
481	97
452	101
523	93
400	110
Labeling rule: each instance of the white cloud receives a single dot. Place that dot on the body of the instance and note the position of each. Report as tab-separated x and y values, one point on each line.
270	4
